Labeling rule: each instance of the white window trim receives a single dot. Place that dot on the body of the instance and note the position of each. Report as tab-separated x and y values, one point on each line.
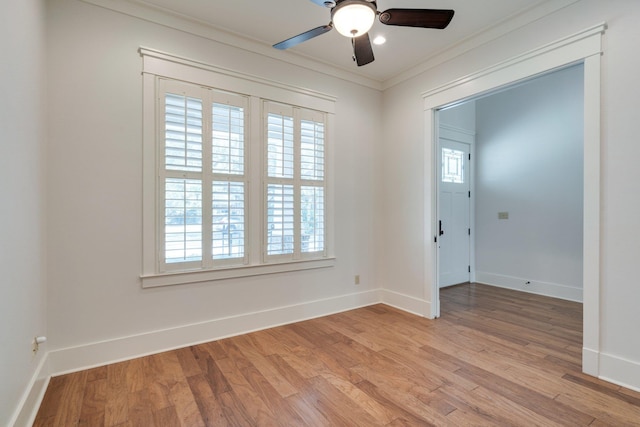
296	181
159	64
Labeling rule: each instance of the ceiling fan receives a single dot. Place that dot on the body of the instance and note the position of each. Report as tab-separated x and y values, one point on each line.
354	18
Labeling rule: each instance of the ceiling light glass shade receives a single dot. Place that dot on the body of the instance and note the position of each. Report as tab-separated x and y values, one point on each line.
353	19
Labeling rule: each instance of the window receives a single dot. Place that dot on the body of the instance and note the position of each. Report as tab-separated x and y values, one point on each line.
452	166
202	177
294	182
240	183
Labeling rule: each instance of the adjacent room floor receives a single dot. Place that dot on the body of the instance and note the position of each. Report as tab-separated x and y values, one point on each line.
495	357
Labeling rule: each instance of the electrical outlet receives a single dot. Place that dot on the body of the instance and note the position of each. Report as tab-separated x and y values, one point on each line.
356	279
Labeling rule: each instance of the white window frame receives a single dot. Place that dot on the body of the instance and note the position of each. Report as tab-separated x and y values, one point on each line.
296	181
206	176
158	66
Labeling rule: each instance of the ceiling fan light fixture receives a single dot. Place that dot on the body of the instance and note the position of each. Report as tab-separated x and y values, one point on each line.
353	18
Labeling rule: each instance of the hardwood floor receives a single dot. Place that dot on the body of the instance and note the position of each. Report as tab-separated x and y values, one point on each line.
495	358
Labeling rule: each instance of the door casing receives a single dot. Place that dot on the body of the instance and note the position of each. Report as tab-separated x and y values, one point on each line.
583	47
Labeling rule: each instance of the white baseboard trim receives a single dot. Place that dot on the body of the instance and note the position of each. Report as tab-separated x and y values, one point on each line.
535	287
623	372
590	362
406	303
27	409
86	356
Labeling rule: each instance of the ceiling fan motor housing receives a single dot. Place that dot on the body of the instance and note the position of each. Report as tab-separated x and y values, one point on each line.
345	26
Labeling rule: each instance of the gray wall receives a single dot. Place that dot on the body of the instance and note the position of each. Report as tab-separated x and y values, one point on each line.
529	163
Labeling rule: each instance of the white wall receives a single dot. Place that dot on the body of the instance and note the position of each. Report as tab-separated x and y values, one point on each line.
95	185
22	256
529	164
403	267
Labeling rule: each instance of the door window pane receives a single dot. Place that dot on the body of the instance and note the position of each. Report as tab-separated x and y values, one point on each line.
452	166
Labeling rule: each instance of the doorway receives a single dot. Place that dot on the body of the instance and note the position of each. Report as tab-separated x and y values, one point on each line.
527	222
584	47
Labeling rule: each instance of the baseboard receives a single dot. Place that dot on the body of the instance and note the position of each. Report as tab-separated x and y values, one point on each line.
86	356
623	372
406	303
27	409
535	287
590	362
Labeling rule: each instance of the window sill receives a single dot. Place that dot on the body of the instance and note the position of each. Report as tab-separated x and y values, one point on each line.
186	277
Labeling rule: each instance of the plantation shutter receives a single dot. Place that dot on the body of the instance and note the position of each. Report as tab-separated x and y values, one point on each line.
295	184
228	142
181	176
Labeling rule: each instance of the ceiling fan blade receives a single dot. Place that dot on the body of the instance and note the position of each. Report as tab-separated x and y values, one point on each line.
307	35
362	50
423	18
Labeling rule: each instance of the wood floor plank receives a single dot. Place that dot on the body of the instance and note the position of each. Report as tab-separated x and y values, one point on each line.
495	357
207	362
155	384
494	408
404	415
208	405
188	362
364	401
99	373
140	410
51	401
530	399
254	408
266	368
166	417
308	412
134	375
603	406
261	388
339	408
70	406
94	402
185	404
117	405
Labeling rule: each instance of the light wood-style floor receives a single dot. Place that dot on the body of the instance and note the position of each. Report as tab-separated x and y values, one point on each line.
494	358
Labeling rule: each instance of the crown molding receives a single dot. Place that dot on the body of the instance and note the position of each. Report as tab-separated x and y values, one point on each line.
170	19
482	37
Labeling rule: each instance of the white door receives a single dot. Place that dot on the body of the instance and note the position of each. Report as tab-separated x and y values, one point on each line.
454	196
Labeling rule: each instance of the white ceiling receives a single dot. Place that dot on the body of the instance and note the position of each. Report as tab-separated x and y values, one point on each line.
269	22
